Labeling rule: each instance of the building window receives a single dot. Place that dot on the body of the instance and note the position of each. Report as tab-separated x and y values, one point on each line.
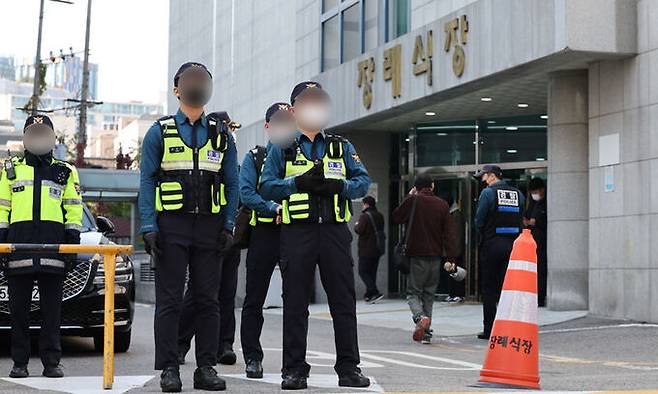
351	33
351	27
397	18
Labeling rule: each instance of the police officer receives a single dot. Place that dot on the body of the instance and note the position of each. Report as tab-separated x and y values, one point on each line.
40	203
315	179
189	177
498	220
230	260
263	253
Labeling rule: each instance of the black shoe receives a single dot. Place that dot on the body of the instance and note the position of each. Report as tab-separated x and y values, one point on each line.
19	371
53	372
293	382
376	298
353	379
254	369
170	380
484	335
227	357
205	378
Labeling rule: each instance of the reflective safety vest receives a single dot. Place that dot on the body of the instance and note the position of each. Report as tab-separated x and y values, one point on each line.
38	204
259	155
305	207
506	219
191	178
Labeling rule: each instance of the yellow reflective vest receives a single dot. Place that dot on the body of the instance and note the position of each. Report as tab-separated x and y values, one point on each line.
305	207
191	178
40	202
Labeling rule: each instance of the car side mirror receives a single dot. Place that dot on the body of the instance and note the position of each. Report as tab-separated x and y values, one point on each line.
105	225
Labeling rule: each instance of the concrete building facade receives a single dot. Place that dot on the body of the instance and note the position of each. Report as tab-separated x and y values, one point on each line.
565	90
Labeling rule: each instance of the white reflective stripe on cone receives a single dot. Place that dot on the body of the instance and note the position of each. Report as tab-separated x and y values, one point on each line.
522	266
517	306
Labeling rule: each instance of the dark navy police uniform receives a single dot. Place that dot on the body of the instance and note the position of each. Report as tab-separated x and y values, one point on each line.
499	221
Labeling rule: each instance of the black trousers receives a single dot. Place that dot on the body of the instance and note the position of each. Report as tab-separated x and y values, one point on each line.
187	240
494	257
50	302
368	273
303	246
226	297
262	258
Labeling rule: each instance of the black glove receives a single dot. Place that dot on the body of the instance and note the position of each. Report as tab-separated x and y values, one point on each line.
311	179
225	241
73	238
151	243
330	187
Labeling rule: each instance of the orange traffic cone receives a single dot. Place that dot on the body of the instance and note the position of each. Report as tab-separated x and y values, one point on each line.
513	357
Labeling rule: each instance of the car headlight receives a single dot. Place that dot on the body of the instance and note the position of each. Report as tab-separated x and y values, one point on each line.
122	273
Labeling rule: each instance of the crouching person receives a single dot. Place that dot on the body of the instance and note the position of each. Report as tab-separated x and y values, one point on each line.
40	203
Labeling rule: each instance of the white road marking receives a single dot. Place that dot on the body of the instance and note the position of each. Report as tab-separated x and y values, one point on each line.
630	325
463	365
83	384
315	380
314	359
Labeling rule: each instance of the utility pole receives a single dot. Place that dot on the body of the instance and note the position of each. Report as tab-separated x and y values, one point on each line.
82	127
37	65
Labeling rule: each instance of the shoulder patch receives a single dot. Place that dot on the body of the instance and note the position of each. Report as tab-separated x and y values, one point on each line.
356	158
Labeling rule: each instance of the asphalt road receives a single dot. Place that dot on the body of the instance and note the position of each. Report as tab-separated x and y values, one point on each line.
585	354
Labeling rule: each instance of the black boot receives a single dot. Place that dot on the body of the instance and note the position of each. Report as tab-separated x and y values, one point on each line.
19	371
353	379
53	371
293	382
254	369
170	380
205	378
227	356
484	335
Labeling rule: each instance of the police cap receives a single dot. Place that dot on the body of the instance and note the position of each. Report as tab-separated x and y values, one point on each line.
184	67
38	119
489	168
274	108
305	88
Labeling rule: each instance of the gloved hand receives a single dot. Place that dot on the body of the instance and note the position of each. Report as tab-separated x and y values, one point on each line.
330	187
311	179
225	241
151	243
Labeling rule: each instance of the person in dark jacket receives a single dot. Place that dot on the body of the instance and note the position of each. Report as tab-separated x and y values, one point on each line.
456	289
430	235
370	223
535	218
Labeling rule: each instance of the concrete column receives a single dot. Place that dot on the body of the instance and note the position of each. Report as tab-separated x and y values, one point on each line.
568	191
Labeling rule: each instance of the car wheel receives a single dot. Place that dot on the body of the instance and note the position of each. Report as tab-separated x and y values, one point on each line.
121	342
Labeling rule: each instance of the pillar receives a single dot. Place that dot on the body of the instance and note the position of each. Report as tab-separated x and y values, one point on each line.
568	191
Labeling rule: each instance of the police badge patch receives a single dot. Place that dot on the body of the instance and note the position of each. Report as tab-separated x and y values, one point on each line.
213	156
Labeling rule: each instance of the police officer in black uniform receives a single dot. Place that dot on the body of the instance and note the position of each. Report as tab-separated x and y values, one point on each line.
536	219
499	221
263	253
230	260
187	201
316	178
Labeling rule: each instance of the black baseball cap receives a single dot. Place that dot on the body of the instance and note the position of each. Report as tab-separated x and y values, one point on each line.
489	168
38	119
187	65
305	88
274	108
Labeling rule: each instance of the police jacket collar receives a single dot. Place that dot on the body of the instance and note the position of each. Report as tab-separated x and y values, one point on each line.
38	161
181	118
301	135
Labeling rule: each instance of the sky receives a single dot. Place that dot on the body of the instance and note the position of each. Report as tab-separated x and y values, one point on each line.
128	41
